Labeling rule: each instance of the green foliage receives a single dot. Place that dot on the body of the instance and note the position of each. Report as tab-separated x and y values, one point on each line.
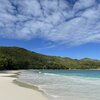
19	58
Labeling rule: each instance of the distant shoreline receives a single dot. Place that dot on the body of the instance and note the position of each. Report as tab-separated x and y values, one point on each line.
19	70
20	58
84	69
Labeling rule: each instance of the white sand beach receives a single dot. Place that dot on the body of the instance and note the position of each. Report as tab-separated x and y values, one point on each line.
11	91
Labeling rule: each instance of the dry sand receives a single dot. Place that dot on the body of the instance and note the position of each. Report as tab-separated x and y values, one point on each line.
11	91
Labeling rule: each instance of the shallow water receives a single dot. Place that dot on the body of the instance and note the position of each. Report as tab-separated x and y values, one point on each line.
65	84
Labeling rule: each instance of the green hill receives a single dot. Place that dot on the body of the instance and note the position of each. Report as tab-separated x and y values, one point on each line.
19	58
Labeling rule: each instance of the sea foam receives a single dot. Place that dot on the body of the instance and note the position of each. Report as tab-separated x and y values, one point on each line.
65	85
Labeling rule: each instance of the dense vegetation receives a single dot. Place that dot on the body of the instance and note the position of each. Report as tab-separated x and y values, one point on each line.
19	58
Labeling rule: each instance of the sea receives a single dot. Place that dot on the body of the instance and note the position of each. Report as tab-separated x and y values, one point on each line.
64	84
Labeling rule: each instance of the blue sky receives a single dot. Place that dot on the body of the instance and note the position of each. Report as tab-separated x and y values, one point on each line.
68	28
90	50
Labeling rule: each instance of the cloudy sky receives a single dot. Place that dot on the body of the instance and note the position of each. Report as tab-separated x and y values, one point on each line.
53	27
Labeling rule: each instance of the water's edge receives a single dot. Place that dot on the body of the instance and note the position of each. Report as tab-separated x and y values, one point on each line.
28	85
62	84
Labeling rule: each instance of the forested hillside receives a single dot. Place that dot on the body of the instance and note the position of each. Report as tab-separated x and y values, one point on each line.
19	58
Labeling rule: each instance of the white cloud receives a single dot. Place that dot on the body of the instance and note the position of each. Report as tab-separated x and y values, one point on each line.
62	21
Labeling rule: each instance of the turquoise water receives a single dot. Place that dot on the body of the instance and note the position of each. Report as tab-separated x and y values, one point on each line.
65	84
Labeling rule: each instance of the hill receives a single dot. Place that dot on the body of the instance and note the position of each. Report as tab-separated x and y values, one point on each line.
20	58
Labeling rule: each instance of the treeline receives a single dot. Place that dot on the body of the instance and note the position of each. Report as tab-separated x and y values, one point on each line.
19	58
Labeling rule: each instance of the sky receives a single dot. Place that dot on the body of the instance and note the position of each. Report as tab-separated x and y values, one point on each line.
68	28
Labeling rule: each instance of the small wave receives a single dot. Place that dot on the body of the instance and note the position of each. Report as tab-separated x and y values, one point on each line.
51	74
40	72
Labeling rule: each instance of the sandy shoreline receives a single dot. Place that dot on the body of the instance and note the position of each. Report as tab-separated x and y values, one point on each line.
11	91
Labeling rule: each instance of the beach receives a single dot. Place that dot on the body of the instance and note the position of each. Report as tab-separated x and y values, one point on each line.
11	91
50	84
